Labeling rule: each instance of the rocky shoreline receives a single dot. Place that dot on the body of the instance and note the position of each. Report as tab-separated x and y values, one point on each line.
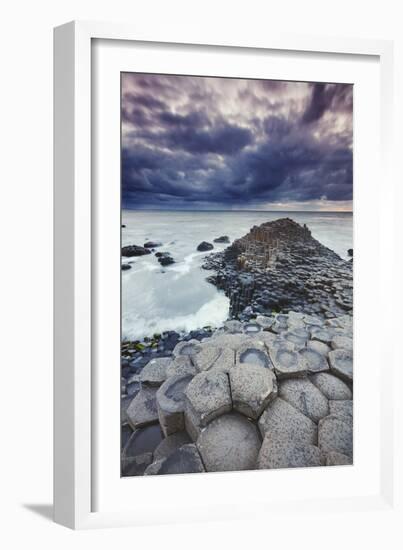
271	388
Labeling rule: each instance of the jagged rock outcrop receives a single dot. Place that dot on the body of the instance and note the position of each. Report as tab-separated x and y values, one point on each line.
279	266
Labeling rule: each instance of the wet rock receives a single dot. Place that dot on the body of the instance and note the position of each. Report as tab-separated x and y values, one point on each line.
143	409
252	328
315	361
170	444
166	259
204	246
230	442
186	460
207	396
282	420
253	351
331	386
304	396
337	459
154	373
284	453
134	250
334	434
189	348
171	404
252	388
125	267
223	239
350	252
341	364
287	362
152	244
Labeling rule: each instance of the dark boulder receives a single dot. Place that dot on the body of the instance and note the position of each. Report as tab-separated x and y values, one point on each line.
204	246
165	259
125	267
223	239
350	251
123	225
152	244
134	250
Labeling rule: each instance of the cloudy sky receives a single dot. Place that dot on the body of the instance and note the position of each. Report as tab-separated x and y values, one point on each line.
217	143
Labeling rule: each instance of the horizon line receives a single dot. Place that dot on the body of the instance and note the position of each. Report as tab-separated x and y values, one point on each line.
233	210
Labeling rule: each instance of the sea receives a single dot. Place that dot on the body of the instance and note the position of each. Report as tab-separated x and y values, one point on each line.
178	297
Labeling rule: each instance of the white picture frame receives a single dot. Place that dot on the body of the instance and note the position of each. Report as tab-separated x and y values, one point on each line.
77	472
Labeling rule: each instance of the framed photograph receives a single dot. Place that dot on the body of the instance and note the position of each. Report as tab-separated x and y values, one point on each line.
219	229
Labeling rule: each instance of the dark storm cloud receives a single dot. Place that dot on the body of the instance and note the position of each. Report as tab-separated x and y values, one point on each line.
193	142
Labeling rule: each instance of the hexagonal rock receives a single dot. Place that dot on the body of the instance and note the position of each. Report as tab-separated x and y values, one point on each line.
181	366
304	396
154	373
342	342
337	459
185	460
341	363
225	361
136	465
143	409
266	338
253	352
231	442
283	453
206	357
143	440
295	339
190	347
264	322
252	388
312	320
207	396
252	328
282	421
287	362
171	403
231	341
324	335
331	386
233	326
315	361
334	434
171	444
320	347
343	409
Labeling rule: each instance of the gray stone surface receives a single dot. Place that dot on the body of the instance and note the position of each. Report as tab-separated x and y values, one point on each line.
304	396
207	396
225	362
320	347
331	386
143	409
324	335
190	347
264	322
282	420
286	361
335	434
284	453
154	468
343	409
341	364
233	326
182	365
231	341
231	442
185	460
342	342
252	388
143	440
315	361
337	459
154	373
171	403
170	444
206	357
253	351
136	465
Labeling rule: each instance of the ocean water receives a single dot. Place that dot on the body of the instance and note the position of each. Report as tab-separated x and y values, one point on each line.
177	297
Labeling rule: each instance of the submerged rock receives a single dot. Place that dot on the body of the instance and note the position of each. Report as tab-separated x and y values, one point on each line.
204	246
134	250
223	239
